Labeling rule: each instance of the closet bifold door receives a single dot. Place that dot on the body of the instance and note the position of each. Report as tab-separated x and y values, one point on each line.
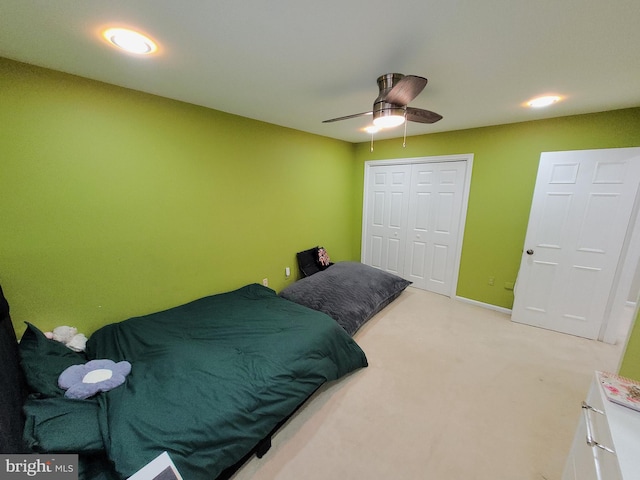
385	222
433	228
412	221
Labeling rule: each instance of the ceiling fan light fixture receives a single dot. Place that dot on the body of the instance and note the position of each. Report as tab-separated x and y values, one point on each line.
389	121
388	117
130	41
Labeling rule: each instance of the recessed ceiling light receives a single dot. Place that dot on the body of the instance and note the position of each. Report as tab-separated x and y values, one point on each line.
130	41
543	101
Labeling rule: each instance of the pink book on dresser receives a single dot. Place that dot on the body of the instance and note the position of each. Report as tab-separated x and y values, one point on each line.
620	390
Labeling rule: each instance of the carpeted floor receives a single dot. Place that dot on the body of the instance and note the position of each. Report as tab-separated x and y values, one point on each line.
453	391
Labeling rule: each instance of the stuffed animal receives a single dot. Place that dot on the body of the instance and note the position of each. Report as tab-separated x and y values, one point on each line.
323	258
69	336
84	381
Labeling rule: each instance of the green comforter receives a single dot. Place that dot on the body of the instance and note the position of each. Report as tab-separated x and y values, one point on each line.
212	378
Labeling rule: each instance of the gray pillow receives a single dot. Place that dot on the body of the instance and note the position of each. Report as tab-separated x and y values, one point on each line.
349	292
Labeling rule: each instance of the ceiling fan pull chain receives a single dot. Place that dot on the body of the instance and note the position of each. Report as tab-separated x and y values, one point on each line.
404	140
372	141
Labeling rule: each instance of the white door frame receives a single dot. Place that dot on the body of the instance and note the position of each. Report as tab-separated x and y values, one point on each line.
466	157
619	317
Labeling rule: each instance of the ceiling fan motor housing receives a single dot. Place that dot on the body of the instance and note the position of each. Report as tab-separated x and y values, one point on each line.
386	82
380	106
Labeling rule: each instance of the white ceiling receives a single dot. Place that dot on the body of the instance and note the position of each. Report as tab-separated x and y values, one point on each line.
295	63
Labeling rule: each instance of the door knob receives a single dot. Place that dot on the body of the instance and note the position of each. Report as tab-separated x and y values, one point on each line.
529	252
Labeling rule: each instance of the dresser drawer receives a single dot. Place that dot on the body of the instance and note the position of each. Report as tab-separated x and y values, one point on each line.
603	426
594	410
592	455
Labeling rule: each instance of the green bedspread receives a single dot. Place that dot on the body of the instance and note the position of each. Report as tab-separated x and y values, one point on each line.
211	378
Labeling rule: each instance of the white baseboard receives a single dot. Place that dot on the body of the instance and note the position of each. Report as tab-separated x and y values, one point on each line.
485	305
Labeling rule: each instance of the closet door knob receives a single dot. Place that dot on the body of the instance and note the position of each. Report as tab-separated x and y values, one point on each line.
529	252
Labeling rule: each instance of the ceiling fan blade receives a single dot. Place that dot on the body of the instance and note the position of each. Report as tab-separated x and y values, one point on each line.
422	116
408	88
355	115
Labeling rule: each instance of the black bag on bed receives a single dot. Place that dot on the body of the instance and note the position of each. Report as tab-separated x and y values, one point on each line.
313	261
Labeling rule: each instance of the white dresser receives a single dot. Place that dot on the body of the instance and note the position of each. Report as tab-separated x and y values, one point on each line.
607	441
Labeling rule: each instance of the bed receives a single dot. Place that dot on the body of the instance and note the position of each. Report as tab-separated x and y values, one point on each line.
349	292
210	381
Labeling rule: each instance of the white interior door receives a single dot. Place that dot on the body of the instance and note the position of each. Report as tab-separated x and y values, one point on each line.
387	202
435	204
580	214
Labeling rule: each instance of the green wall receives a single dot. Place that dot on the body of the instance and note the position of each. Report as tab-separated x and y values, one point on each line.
116	203
630	366
505	165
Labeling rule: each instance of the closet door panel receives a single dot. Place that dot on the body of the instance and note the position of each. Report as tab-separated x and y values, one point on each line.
386	206
435	204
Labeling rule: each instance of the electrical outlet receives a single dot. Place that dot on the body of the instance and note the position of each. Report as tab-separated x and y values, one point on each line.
265	282
492	281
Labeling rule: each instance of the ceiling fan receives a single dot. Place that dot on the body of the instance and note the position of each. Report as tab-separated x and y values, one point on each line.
390	108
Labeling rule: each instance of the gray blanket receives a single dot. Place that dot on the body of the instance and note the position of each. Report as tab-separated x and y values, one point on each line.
349	292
